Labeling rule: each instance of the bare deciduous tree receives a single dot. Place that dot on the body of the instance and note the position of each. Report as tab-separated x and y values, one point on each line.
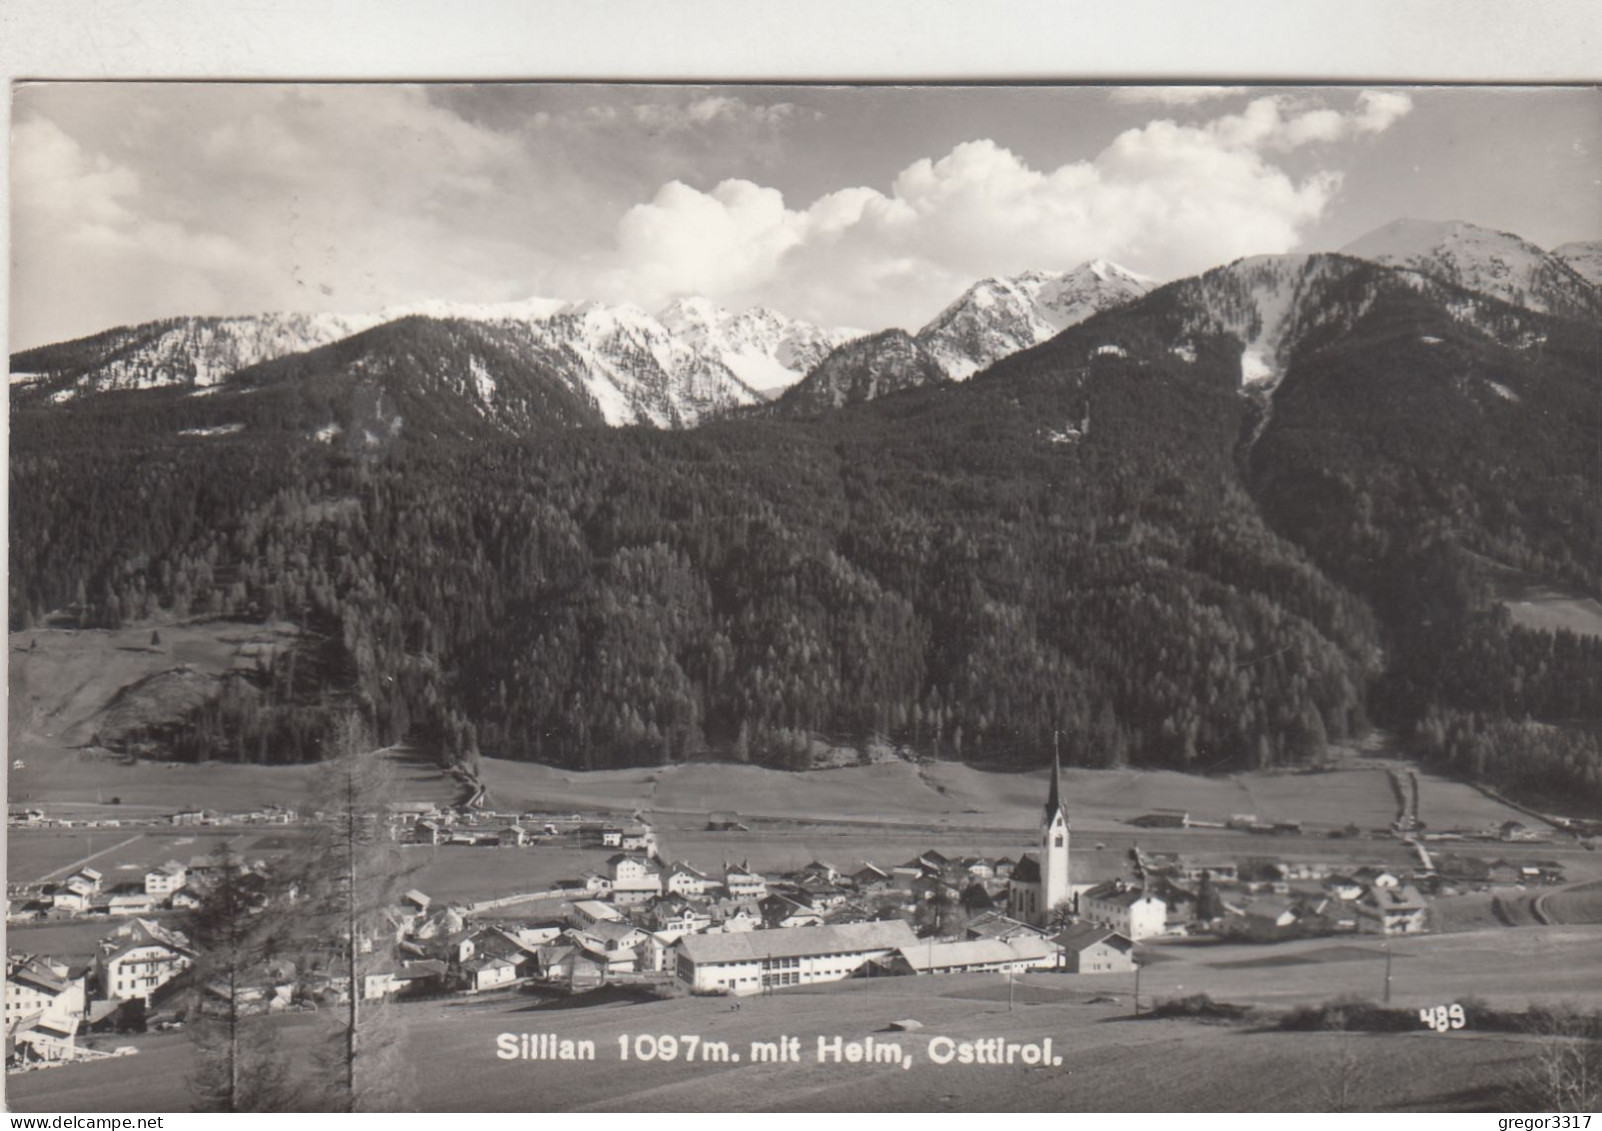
1565	1074
352	875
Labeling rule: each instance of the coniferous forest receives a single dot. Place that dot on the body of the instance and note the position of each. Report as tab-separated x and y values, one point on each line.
1118	546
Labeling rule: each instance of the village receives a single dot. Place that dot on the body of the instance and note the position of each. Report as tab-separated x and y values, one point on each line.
663	925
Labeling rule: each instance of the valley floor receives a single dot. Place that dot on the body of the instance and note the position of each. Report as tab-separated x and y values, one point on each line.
1109	1058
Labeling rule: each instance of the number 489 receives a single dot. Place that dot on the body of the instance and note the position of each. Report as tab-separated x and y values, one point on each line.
1443	1017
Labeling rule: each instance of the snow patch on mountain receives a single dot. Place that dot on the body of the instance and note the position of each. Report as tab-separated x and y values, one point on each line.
213	430
483	381
1262	302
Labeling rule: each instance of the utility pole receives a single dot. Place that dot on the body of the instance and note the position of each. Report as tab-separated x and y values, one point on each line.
1138	964
1387	973
1009	989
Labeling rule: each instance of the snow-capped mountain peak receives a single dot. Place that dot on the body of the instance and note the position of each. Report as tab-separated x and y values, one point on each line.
766	350
1584	258
1483	260
531	309
1003	314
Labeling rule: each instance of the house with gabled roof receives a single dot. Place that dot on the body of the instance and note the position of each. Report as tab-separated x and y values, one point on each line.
681	879
553	962
1132	911
870	876
676	915
633	878
1090	948
609	938
995	925
163	881
42	1039
46	988
787	910
734	916
742	883
819	869
488	973
638	838
1398	910
138	959
978	867
587	911
130	901
438	923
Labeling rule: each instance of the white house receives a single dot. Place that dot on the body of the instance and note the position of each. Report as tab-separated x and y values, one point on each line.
162	882
748	962
138	959
130	903
45	987
488	973
66	899
638	838
681	879
742	883
1134	913
1392	911
632	878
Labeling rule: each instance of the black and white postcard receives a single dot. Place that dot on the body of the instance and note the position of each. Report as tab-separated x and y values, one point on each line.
531	596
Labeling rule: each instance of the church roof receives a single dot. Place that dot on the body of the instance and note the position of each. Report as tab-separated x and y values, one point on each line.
1027	870
1054	798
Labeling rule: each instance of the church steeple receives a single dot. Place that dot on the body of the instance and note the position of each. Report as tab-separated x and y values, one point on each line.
1054	798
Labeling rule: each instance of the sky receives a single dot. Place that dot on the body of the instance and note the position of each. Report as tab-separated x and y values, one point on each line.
865	207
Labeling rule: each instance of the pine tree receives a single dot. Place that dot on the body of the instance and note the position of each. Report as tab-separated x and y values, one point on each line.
353	874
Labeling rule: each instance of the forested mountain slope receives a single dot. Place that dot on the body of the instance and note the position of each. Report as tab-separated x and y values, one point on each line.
1214	527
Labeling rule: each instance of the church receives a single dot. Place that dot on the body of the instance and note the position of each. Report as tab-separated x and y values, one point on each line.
1040	880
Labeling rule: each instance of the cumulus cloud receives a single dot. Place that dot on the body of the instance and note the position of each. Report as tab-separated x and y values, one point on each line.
79	236
1173	95
137	203
217	199
1166	198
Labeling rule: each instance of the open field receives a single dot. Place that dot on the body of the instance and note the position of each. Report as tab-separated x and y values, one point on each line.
1581	903
959	796
1501	966
1109	1060
1543	608
1359	796
32	854
1536	603
65	683
81	779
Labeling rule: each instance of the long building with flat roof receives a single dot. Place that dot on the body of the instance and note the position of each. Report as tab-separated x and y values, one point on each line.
750	961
